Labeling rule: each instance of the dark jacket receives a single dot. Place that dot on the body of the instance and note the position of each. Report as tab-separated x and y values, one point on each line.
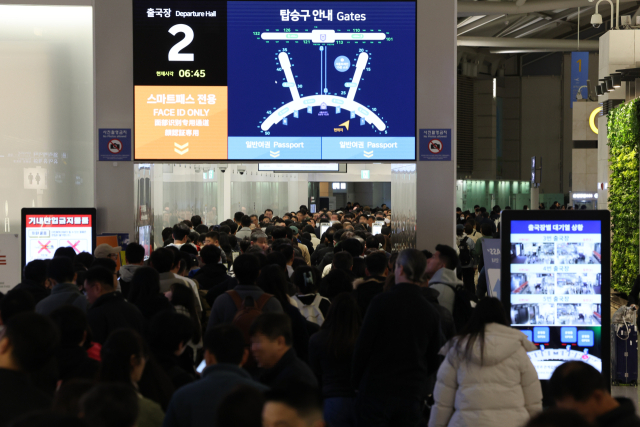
299	331
62	294
211	275
366	289
623	416
18	396
220	289
321	250
359	267
334	373
398	344
447	326
38	291
153	306
111	312
307	243
196	404
74	363
288	369
170	364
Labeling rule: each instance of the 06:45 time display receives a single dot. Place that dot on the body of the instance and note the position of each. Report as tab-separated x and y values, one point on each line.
192	73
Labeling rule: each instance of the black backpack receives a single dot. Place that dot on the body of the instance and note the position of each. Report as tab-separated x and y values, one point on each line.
462	309
465	252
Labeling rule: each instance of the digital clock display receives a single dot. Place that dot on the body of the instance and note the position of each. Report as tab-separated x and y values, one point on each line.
274	80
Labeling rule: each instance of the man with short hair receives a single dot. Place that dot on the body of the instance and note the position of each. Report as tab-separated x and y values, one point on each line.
237	218
213	272
254	220
14	302
441	271
27	343
64	291
579	387
245	231
247	270
259	239
166	261
368	287
180	234
196	220
196	405
35	280
272	346
324	247
109	310
134	255
268	214
298	405
397	350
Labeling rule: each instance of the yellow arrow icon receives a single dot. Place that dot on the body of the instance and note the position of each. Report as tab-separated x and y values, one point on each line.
345	124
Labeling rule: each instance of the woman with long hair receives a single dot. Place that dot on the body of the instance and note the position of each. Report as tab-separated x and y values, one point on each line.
273	280
487	378
181	297
145	292
124	357
330	354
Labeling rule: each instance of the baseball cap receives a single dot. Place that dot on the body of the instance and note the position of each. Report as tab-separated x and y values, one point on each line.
294	229
103	250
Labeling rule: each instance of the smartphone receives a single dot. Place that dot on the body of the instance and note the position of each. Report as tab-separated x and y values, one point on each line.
323	228
201	367
376	228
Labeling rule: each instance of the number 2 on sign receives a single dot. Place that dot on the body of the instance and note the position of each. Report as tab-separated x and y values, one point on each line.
174	53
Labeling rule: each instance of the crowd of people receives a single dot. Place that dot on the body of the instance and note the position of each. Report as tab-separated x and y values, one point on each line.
306	320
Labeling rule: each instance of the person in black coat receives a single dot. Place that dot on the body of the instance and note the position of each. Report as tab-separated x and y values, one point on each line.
169	334
213	272
109	310
325	247
373	284
145	293
71	357
272	340
28	343
397	349
35	278
330	354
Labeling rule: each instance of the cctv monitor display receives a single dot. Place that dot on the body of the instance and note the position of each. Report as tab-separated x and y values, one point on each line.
274	80
44	230
556	265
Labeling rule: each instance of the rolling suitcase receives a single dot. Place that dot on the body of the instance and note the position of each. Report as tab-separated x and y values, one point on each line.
624	347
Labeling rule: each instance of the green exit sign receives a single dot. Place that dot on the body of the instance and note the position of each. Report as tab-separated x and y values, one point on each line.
365	174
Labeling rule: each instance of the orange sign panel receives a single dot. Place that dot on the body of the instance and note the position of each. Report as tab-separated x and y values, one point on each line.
181	122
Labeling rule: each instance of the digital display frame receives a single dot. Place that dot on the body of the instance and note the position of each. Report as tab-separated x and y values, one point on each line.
555	279
46	229
274	80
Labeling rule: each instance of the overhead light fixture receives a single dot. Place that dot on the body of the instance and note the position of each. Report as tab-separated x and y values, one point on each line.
609	84
616	79
603	87
599	91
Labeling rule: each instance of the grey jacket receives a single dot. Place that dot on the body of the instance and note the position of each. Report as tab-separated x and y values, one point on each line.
442	281
224	309
62	294
245	232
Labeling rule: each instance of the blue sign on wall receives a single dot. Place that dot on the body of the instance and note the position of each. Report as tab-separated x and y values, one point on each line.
579	75
435	145
114	145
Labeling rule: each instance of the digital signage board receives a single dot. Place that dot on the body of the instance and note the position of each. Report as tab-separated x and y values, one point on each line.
274	80
555	285
44	230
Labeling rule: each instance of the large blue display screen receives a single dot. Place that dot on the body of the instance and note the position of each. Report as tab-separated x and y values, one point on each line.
321	80
274	80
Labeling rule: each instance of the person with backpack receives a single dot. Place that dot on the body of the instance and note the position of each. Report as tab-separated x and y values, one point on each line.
487	233
246	301
396	350
441	271
487	378
465	249
313	306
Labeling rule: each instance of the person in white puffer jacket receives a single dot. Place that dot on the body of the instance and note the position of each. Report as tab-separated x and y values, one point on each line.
486	378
